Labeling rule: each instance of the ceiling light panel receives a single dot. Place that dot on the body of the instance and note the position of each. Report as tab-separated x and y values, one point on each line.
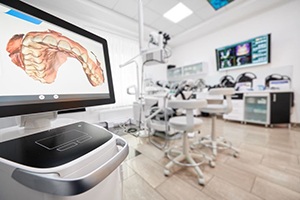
161	6
178	13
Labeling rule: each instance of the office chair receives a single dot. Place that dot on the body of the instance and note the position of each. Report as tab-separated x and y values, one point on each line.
213	141
187	124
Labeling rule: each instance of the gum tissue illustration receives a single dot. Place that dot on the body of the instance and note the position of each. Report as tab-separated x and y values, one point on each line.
41	54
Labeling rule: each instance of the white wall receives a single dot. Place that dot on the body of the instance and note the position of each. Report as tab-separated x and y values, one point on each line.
283	24
120	51
156	72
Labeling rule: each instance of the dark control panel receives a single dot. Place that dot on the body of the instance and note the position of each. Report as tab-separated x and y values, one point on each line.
56	146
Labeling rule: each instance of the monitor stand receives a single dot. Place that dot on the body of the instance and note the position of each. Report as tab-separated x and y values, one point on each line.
38	121
33	123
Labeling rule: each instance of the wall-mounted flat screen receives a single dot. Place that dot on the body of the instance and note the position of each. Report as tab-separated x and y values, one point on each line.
217	4
252	52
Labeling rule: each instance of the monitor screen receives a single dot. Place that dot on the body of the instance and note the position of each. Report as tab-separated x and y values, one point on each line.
217	4
252	52
48	64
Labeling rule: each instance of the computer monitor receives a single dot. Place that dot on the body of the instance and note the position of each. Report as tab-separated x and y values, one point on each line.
48	64
217	4
252	52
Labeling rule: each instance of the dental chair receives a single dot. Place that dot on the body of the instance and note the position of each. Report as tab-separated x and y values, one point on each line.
188	123
213	141
157	119
158	113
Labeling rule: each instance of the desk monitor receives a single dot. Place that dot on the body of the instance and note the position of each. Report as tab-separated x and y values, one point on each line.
48	64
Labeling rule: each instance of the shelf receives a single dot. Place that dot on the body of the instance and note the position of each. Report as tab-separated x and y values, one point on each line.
260	111
255	121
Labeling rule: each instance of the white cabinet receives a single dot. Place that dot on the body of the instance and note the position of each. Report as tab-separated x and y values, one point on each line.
257	108
268	108
265	107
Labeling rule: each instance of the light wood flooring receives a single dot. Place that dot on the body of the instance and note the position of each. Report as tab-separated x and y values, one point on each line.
268	167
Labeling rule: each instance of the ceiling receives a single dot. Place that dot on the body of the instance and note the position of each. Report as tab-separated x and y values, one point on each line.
121	16
154	10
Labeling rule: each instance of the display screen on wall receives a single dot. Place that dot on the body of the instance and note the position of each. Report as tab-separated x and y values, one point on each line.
217	4
252	52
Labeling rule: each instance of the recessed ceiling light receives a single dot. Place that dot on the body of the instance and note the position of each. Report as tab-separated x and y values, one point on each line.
178	13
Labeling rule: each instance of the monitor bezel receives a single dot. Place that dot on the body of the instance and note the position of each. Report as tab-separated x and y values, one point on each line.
15	110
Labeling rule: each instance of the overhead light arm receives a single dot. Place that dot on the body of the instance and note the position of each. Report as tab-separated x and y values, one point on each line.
141	25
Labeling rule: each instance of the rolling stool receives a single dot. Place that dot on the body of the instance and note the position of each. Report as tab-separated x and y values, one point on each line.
212	141
187	123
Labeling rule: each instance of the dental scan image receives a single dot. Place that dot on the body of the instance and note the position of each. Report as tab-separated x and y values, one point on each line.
40	54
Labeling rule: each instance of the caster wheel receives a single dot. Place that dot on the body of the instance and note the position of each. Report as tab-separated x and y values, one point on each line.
167	172
236	155
201	181
212	164
166	154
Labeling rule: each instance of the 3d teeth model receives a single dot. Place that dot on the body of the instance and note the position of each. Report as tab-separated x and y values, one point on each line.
40	54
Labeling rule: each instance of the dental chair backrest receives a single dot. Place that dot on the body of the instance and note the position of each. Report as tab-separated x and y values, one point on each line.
246	77
274	77
185	90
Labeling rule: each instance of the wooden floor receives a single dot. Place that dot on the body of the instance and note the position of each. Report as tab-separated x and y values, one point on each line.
268	167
